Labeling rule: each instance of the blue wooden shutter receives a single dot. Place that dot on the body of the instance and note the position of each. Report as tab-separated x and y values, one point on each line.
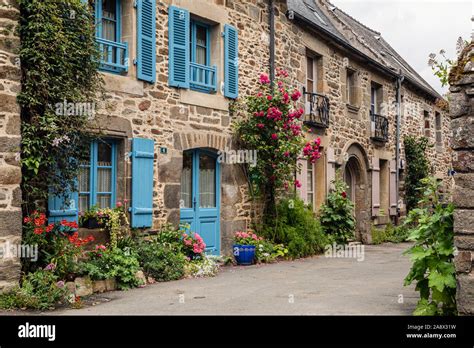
231	62
142	182
64	207
146	42
178	38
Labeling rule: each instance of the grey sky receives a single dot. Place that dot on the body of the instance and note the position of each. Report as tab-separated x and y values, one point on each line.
416	28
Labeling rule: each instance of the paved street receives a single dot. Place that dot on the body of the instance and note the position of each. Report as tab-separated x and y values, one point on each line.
311	286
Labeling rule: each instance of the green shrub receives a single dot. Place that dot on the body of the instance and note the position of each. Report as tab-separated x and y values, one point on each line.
379	235
267	252
121	264
39	290
394	234
400	234
417	168
433	252
297	228
162	261
337	214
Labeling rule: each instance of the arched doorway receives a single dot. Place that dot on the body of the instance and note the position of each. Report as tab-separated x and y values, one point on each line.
355	176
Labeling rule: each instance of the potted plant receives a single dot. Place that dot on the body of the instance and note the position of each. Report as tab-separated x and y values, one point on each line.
89	219
244	247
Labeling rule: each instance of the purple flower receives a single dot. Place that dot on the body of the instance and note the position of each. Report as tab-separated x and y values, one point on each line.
50	267
60	284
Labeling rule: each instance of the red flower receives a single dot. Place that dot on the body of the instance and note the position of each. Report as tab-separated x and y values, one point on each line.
344	194
269	97
260	125
296	95
274	136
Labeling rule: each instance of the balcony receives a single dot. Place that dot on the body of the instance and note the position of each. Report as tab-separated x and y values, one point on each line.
378	127
114	55
202	77
317	110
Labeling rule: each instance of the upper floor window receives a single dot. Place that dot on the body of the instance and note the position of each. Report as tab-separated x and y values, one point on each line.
426	123
438	125
191	64
375	98
350	87
97	176
202	76
114	52
311	74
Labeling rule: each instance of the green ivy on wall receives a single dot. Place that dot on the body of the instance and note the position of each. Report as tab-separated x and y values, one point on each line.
417	168
60	84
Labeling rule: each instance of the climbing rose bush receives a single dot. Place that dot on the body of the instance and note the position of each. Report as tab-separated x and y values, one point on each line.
274	128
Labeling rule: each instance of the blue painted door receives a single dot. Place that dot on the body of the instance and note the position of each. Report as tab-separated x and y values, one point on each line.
200	196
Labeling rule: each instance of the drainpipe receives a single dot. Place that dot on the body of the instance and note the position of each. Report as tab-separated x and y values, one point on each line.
271	23
400	79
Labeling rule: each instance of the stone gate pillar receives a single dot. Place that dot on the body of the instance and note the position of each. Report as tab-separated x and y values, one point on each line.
10	173
462	142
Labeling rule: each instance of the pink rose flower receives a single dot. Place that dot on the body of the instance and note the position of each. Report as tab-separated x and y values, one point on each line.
264	80
274	136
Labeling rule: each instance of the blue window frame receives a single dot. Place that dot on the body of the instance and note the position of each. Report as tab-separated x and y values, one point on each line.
114	53
202	75
97	176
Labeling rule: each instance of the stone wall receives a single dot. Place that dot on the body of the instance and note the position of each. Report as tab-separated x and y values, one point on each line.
462	127
10	174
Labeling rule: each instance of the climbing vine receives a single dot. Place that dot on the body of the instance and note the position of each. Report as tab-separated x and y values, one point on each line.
417	168
60	83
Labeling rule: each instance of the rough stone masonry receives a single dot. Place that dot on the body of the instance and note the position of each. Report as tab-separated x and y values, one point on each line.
462	127
10	172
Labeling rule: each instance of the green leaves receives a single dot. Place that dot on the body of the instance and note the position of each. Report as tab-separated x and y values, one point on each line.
59	60
432	253
417	168
337	215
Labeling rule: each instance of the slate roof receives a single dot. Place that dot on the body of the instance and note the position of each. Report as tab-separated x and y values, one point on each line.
347	31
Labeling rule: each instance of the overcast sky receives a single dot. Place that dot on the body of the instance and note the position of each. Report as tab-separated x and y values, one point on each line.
416	28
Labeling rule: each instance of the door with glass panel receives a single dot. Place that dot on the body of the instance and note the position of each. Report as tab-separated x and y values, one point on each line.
200	199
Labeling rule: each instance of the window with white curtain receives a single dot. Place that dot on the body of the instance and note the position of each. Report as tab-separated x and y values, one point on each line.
207	181
97	176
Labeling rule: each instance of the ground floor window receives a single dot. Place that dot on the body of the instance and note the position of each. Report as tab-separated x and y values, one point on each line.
97	176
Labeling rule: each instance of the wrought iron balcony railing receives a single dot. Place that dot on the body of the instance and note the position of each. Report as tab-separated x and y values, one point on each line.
379	127
203	77
114	55
317	109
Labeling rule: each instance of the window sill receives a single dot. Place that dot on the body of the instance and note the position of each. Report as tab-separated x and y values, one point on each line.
353	108
211	101
125	84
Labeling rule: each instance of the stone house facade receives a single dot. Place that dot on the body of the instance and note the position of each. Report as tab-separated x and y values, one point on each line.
173	70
